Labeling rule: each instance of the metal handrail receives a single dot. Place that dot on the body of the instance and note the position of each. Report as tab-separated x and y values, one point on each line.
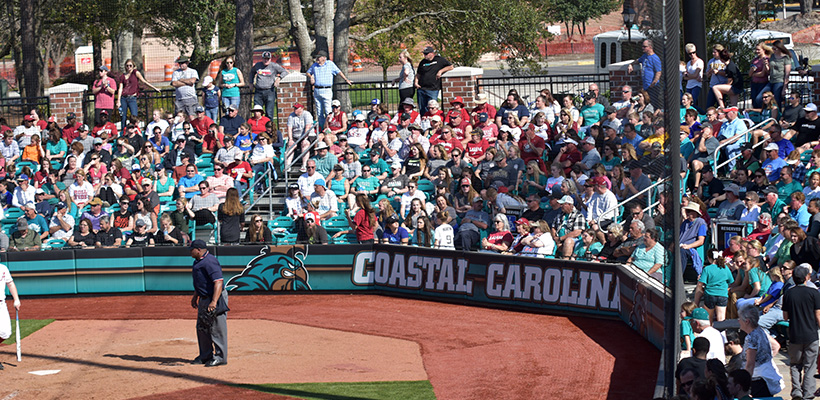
268	174
630	198
715	165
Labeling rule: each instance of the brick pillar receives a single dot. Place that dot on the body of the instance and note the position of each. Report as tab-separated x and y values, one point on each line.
292	89
461	81
619	76
65	99
815	88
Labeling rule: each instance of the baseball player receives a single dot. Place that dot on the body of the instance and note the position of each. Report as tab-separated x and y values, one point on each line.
5	321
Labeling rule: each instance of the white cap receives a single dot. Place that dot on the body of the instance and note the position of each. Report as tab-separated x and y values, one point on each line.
207	80
772	146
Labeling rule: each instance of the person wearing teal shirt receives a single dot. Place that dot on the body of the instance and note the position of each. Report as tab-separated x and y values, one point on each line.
366	184
787	185
650	255
380	168
592	111
230	79
713	287
773	205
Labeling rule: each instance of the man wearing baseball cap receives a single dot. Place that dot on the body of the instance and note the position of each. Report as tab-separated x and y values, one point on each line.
230	122
184	79
428	77
475	219
23	133
730	134
103	89
211	302
328	204
805	133
321	75
300	124
571	226
266	75
70	128
703	328
773	163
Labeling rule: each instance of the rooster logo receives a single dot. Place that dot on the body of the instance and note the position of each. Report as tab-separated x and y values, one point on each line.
272	271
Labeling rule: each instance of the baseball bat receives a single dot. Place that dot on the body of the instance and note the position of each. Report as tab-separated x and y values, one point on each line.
17	317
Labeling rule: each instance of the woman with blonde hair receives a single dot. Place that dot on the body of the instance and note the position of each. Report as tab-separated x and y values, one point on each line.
759	71
229	80
231	215
533	181
694	72
407	76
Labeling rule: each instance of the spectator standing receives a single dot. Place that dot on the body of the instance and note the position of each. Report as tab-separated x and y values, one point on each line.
229	79
694	72
128	90
651	71
428	77
407	77
231	215
321	75
757	354
184	80
801	307
266	77
103	89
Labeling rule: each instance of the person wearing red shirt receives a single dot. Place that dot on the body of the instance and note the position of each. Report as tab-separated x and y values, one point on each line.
240	171
407	106
105	126
447	140
37	121
213	139
458	107
461	128
364	219
501	239
258	120
201	122
569	155
476	148
70	128
482	106
489	130
532	147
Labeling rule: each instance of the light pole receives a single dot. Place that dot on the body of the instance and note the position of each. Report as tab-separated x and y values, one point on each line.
629	18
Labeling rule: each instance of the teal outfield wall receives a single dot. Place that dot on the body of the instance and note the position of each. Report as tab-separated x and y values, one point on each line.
530	284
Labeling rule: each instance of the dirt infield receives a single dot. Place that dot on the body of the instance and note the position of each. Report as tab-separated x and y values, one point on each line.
467	352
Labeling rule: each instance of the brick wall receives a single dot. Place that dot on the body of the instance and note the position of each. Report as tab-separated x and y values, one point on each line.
292	89
619	76
65	99
460	81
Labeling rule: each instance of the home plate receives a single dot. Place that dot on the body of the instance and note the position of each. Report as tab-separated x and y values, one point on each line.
45	372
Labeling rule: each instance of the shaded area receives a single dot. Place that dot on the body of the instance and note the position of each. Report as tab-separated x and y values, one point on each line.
468	352
405	390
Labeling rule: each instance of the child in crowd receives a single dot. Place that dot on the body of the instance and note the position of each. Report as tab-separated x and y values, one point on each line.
687	335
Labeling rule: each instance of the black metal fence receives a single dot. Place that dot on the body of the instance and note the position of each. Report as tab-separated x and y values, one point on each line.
150	100
14	108
362	93
528	87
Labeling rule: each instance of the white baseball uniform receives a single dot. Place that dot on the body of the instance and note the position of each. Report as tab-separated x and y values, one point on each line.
5	321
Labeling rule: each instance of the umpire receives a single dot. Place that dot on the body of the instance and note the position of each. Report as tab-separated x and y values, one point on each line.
211	301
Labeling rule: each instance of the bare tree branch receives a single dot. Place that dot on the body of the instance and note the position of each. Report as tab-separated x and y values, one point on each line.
402	22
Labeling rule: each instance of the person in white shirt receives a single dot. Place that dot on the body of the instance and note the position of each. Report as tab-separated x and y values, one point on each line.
220	182
603	204
703	327
62	223
24	193
81	191
408	196
327	206
307	180
5	321
261	154
444	237
158	121
23	133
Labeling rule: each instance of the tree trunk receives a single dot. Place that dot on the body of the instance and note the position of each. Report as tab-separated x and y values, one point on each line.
244	45
15	48
125	44
136	51
116	49
96	43
341	44
806	7
301	36
323	24
32	65
45	55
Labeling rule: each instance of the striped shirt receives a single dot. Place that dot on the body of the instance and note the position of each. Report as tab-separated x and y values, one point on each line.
324	74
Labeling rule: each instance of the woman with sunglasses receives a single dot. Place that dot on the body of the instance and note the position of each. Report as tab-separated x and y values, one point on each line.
128	90
258	232
229	80
123	219
694	72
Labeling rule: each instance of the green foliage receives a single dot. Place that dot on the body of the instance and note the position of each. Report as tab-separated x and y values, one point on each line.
725	21
385	48
27	327
405	390
577	13
472	28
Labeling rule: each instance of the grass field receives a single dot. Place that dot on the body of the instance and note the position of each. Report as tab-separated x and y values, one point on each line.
27	327
406	390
